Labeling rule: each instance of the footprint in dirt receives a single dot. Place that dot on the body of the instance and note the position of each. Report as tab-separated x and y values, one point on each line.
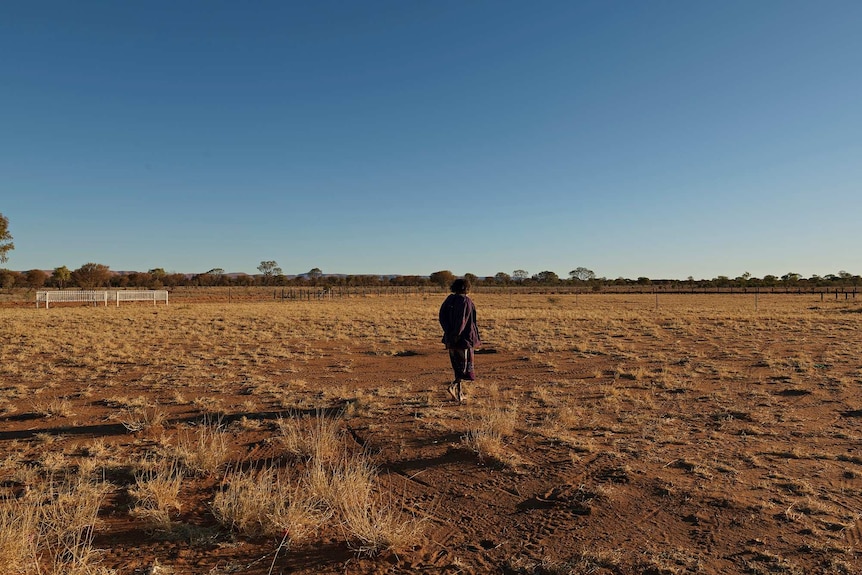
575	499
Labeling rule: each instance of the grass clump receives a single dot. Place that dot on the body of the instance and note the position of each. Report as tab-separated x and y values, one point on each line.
267	503
157	494
51	529
204	451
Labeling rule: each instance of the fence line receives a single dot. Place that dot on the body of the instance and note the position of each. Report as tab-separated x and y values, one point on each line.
97	296
142	295
291	293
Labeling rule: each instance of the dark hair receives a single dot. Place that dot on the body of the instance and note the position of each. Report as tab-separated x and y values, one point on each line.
460	286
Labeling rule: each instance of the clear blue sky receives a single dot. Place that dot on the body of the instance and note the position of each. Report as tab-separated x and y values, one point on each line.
664	139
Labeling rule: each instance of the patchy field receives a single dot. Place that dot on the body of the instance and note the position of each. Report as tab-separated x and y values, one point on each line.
606	434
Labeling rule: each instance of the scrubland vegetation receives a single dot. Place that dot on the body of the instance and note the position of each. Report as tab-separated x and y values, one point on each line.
606	434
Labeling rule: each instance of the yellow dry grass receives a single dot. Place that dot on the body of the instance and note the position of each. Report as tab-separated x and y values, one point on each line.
712	397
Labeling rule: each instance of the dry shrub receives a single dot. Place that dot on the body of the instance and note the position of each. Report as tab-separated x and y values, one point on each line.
68	526
51	530
321	443
156	493
368	521
336	491
205	451
19	524
488	433
57	407
266	503
143	417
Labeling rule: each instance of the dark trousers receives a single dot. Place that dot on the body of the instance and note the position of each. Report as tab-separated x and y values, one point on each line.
462	363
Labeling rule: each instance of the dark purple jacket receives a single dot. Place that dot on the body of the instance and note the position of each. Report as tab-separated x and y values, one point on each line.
458	320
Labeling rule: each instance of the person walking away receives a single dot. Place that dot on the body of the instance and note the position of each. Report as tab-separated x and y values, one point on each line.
460	335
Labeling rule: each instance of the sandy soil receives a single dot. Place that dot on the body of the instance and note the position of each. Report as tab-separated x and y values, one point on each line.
700	437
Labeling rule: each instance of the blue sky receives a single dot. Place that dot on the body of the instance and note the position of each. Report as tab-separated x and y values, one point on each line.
663	139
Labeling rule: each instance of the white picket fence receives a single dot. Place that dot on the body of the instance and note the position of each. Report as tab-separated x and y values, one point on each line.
142	295
98	296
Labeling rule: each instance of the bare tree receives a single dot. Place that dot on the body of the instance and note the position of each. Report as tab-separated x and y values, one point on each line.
520	275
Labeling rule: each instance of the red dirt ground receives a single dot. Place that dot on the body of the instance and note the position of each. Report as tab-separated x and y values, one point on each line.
690	453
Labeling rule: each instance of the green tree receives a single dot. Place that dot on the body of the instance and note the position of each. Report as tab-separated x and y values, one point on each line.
6	244
582	274
547	277
157	278
91	275
502	278
314	273
61	276
472	278
520	275
269	268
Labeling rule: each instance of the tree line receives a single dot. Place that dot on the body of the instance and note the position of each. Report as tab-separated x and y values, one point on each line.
94	275
585	278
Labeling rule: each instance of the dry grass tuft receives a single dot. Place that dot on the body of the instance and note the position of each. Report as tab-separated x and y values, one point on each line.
143	417
157	494
487	434
321	441
57	407
267	503
204	451
51	529
19	524
370	523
